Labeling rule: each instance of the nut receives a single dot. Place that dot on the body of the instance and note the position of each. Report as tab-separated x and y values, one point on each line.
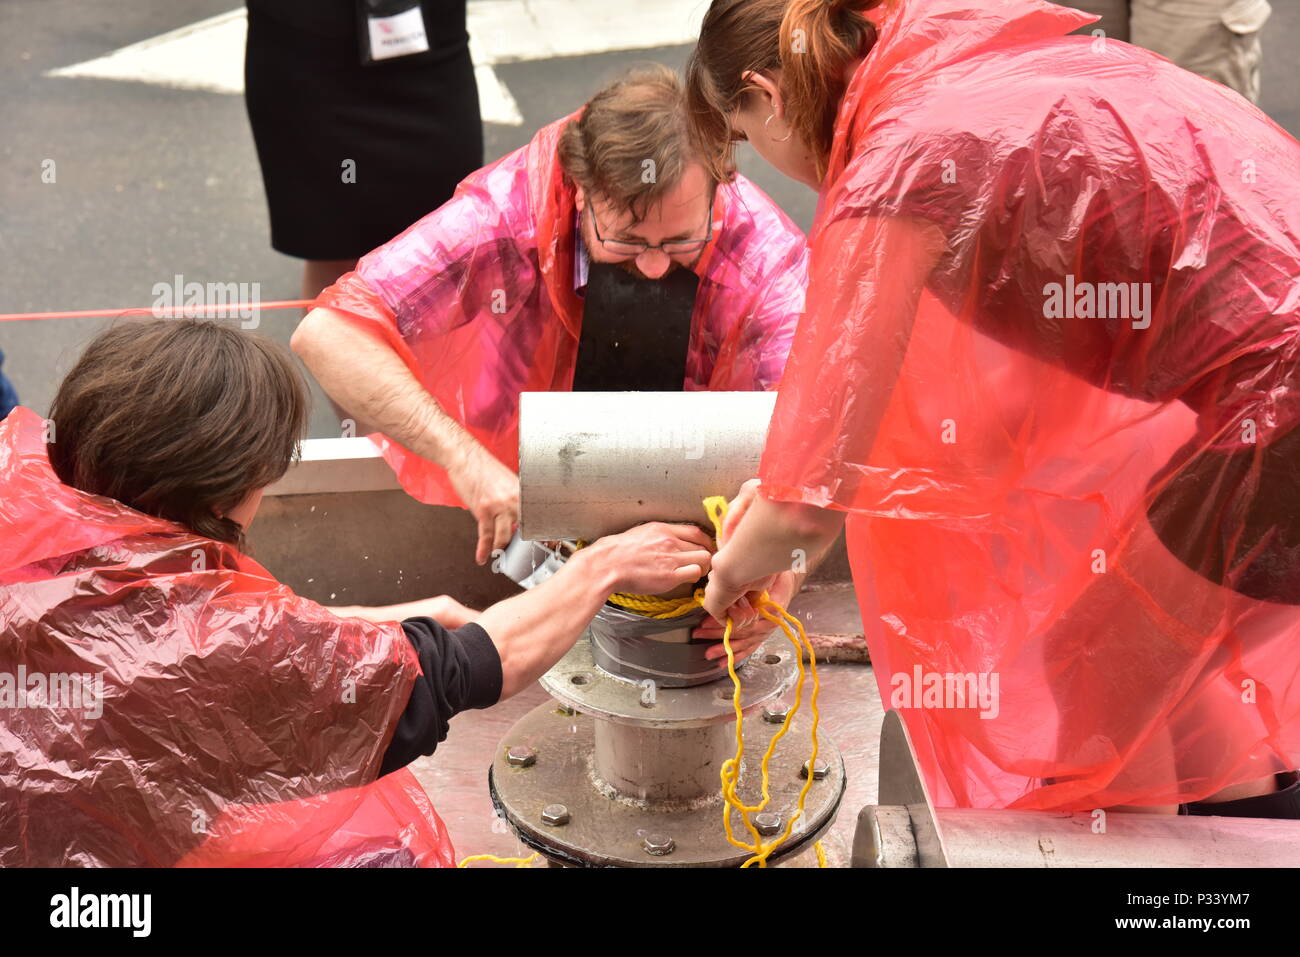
768	823
555	815
659	845
819	771
521	757
776	713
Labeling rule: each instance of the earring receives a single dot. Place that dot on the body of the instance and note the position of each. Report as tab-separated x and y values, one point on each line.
769	134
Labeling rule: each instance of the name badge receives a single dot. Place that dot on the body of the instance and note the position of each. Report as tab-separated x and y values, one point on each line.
392	35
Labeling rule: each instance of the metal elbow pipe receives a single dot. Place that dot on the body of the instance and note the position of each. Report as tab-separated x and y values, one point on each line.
598	463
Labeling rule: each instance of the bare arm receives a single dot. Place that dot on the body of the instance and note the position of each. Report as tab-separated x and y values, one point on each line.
767	542
533	630
897	256
443	609
370	380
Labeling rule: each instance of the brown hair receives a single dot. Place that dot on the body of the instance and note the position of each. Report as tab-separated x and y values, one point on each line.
811	42
179	419
638	118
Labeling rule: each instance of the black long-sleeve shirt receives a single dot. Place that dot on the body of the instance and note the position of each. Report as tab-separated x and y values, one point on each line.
462	670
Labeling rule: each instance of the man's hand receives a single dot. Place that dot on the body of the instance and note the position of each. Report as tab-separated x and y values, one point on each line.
491	493
654	558
744	639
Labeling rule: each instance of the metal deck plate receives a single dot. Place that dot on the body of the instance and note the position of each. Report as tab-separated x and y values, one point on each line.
608	832
578	682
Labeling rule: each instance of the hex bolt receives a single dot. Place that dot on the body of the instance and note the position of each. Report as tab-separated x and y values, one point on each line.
776	713
819	771
555	815
521	757
567	709
768	823
659	845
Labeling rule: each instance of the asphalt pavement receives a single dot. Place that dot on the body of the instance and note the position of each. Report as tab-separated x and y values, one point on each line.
154	181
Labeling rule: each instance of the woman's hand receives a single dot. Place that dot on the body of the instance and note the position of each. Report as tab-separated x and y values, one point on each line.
744	639
724	597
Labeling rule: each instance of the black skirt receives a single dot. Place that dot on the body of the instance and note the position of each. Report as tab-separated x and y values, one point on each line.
406	130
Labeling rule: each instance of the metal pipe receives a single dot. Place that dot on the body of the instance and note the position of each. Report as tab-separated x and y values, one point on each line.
887	837
659	766
595	463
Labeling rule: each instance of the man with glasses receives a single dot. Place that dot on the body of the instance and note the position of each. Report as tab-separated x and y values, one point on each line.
601	256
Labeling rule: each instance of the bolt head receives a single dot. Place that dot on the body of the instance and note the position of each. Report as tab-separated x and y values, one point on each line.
556	815
768	823
819	771
776	713
521	757
660	845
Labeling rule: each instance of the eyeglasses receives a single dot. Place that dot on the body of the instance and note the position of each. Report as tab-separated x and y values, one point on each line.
672	247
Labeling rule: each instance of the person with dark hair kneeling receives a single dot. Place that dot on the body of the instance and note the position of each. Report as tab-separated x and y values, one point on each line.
165	699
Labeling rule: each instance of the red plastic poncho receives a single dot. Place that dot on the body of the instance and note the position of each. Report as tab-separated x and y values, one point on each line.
478	299
1045	648
164	700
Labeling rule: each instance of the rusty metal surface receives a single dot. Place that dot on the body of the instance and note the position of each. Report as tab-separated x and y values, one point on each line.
578	682
608	831
830	615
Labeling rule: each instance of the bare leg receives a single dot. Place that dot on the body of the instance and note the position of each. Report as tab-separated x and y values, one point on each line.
319	273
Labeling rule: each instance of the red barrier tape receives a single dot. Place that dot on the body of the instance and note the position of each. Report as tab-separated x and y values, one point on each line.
170	312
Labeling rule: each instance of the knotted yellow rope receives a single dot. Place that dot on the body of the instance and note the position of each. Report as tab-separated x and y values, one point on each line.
652	606
660	608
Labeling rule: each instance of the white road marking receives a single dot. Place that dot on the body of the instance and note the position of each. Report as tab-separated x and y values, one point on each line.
209	55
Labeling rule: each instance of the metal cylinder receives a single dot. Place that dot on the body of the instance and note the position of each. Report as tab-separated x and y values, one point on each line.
657	766
595	463
888	836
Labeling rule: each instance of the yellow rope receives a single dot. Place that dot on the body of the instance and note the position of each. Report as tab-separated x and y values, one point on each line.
660	608
517	861
653	607
716	507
